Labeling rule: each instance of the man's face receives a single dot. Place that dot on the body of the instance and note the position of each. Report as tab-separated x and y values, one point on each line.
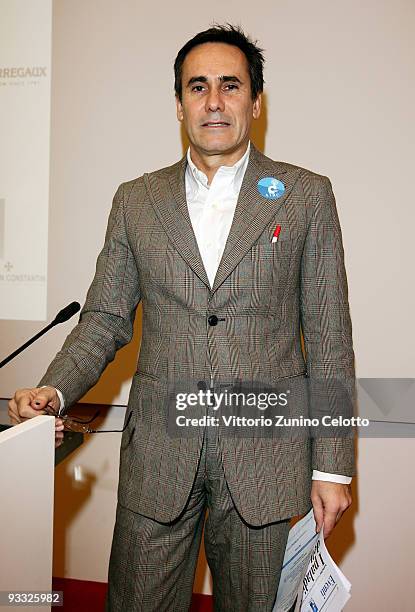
217	108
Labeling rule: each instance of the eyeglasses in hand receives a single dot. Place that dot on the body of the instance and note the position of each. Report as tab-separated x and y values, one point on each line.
82	425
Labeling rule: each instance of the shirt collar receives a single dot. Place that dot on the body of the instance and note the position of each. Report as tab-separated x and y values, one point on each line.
232	174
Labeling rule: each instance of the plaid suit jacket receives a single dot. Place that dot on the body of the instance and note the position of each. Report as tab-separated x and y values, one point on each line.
263	293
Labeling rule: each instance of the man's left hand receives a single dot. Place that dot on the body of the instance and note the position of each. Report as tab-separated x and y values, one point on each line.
330	500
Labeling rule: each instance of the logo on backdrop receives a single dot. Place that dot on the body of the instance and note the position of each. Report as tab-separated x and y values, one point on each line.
23	72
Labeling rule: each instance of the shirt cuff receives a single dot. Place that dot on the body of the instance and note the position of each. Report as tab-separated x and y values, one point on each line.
61	400
331	477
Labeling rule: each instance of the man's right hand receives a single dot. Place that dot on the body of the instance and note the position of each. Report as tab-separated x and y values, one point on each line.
28	403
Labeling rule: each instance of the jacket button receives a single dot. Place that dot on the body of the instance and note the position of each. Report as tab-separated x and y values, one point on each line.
213	320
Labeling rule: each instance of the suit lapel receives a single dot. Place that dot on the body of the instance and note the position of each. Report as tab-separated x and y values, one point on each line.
253	212
168	196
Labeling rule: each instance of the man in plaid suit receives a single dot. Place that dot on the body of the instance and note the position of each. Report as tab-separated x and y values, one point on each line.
232	255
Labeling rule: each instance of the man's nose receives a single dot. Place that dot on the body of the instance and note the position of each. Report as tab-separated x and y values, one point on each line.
215	101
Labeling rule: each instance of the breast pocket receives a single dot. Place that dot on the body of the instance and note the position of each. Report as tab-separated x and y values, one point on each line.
270	264
271	258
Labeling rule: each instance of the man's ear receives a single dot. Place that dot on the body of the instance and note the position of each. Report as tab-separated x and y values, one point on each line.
256	110
179	109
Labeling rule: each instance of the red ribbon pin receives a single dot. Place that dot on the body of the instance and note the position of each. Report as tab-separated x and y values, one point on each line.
276	233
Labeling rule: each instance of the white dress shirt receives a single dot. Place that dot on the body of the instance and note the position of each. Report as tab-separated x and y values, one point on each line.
211	209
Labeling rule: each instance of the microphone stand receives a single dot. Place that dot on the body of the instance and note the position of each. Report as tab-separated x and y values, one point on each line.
62	316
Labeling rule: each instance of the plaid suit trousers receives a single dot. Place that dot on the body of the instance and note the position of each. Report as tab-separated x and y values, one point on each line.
152	564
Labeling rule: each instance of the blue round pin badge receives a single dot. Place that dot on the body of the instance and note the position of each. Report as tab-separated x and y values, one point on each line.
271	188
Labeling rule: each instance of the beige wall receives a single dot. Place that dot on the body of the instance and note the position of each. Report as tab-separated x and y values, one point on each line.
339	100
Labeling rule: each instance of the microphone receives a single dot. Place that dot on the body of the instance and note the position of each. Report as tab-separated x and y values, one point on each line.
66	313
62	316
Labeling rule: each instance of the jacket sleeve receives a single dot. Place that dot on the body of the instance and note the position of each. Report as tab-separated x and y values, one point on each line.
326	325
106	320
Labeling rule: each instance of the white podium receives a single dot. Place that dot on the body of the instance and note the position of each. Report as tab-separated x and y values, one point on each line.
27	453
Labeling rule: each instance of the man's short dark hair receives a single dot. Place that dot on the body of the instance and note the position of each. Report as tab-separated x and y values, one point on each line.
231	35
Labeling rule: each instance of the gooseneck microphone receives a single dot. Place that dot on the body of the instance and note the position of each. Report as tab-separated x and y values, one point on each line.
66	313
62	316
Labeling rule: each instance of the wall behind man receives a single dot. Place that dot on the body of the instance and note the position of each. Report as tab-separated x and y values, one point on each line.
339	100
